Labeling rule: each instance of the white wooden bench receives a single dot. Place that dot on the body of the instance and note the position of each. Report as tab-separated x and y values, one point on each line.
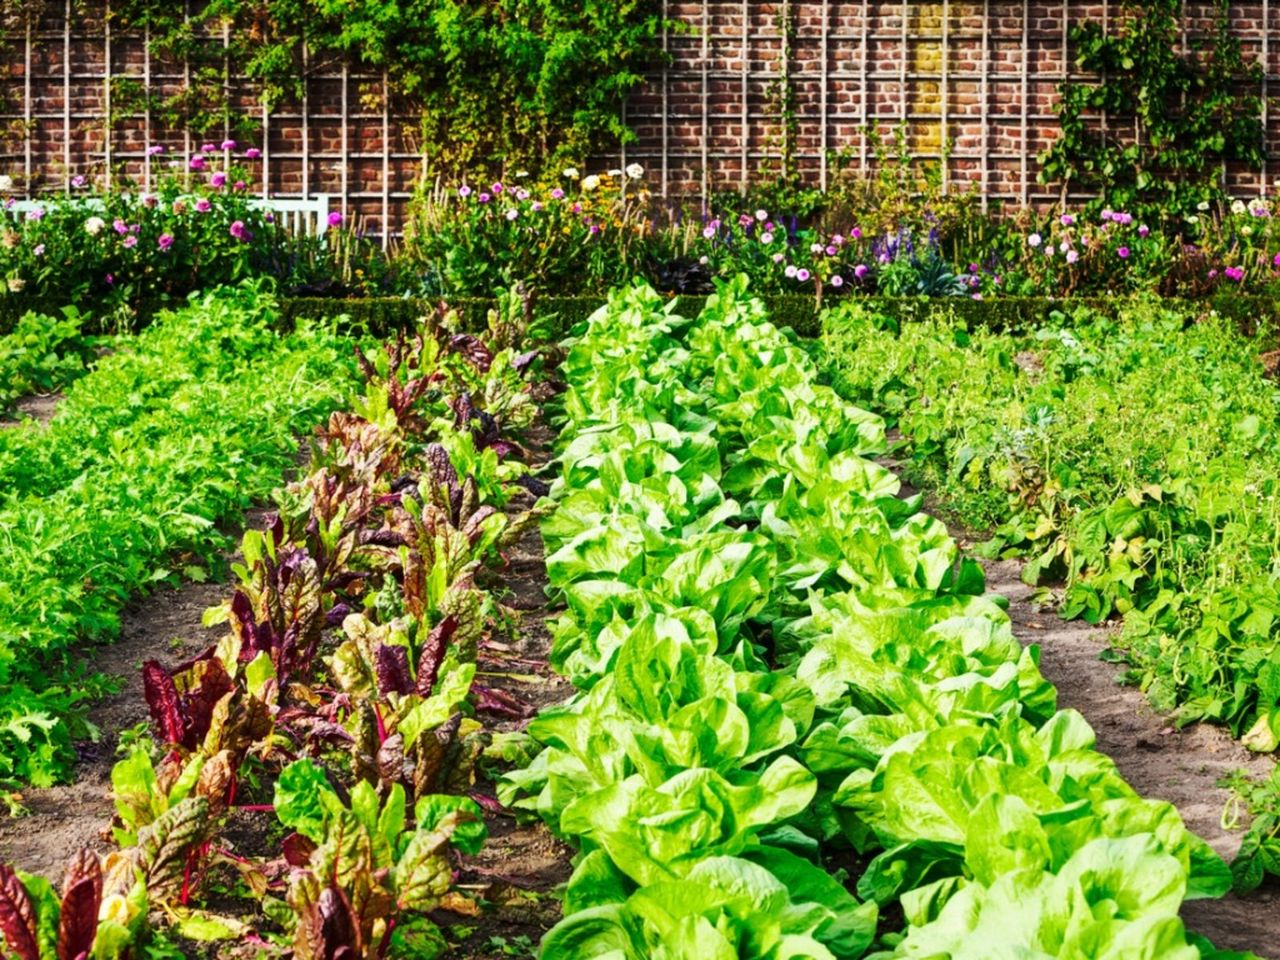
307	217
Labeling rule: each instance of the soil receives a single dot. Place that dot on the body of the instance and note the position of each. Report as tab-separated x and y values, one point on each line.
39	407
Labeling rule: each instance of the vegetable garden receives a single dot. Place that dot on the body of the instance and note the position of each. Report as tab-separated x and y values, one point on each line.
853	573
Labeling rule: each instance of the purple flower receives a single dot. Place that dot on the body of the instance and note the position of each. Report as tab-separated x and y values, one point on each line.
973	268
165	241
238	231
77	180
253	153
1143	230
1123	253
1235	273
856	233
197	162
155	150
335	218
837	281
861	271
557	194
1066	219
219	179
803	275
464	191
497	188
1276	260
203	205
130	241
708	232
228	144
536	206
483	197
594	229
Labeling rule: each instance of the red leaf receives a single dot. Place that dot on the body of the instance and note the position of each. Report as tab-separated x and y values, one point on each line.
433	651
392	661
298	850
17	916
81	898
162	700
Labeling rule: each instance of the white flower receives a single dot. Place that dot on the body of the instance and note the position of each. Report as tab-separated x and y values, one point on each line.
93	226
6	182
521	174
1247	230
615	172
766	237
1202	206
815	248
16	284
1034	240
762	215
791	270
1258	204
1193	219
1238	207
512	213
1072	256
571	173
591	182
1048	250
635	171
1064	246
703	260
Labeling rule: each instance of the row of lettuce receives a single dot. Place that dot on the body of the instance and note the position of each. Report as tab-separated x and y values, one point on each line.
788	678
343	695
1132	461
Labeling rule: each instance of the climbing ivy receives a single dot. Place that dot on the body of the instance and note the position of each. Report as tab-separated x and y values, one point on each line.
504	83
1172	117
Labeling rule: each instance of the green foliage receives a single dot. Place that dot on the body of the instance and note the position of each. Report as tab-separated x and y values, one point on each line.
1187	109
170	435
1132	459
42	354
518	83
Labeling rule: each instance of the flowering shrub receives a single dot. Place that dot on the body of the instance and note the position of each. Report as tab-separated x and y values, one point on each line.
115	248
575	233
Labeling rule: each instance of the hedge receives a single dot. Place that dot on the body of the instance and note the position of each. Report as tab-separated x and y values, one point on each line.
385	314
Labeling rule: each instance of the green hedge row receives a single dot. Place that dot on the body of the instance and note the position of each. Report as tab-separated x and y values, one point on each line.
386	314
798	312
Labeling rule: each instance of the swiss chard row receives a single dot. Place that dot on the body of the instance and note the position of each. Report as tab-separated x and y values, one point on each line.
789	678
343	691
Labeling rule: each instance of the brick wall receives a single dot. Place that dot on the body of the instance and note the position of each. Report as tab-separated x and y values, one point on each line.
977	77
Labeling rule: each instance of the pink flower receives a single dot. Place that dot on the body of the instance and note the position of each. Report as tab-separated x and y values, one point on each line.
241	185
778	258
513	213
197	162
1144	230
253	153
219	179
803	275
837	281
203	205
165	241
208	148
766	237
335	218
228	144
831	251
149	200
120	226
791	270
38	250
35	213
536	206
856	233
1066	219
238	230
130	241
464	191
1123	253
522	195
497	187
1072	256
155	150
77	180
708	232
861	271
1276	260
557	194
483	197
110	278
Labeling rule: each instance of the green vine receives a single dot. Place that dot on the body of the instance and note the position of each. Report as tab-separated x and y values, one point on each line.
506	83
1172	118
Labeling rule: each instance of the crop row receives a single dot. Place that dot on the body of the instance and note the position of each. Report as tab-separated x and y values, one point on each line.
343	692
1134	464
791	685
173	433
